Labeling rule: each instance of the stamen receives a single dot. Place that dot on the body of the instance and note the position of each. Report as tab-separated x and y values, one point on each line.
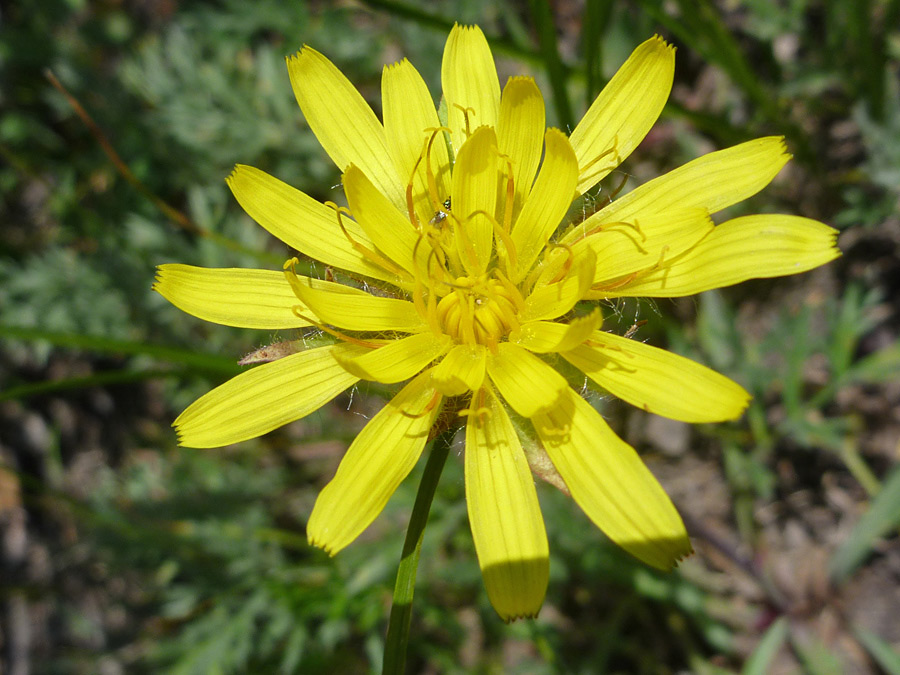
465	112
608	151
510	196
512	259
372	256
429	174
410	207
467	318
333	332
616	284
605	226
512	291
476	407
294	281
431	405
465	244
566	266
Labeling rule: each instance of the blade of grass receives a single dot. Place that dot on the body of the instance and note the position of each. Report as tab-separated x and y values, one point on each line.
816	657
883	654
882	517
557	71
596	17
761	659
701	28
98	380
95	343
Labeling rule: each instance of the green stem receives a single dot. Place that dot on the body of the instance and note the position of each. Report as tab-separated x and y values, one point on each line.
557	72
858	467
401	607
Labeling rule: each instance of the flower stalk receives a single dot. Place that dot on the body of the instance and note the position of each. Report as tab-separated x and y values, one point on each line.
401	605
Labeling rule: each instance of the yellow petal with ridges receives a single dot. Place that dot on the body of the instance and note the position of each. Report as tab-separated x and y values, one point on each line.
544	337
389	230
712	182
610	483
461	370
378	460
397	360
471	86
265	398
359	312
520	133
475	176
527	383
547	204
244	298
654	239
749	247
409	121
624	111
658	381
301	222
507	526
342	121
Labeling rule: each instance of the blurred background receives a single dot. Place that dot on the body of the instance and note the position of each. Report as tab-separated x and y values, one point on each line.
123	553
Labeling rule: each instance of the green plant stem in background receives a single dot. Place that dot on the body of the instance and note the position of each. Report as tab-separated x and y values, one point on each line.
96	343
557	72
597	15
401	606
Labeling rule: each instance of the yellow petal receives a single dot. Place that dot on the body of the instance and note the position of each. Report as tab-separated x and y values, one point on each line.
471	86
389	230
378	460
504	513
544	337
359	312
409	121
265	398
549	301
301	222
750	247
658	381
475	176
624	111
397	360
712	182
548	202
342	121
527	383
520	132
232	297
610	483
461	370
625	248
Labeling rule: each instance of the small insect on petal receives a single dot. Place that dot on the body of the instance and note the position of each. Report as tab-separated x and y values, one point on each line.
272	352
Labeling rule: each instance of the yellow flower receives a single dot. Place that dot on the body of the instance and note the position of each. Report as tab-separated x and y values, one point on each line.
454	276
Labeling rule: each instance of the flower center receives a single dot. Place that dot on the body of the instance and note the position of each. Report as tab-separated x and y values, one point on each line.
478	311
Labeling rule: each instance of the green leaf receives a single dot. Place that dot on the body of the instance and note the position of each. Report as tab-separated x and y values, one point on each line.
761	659
882	517
97	343
887	658
817	659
